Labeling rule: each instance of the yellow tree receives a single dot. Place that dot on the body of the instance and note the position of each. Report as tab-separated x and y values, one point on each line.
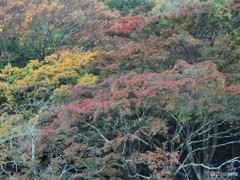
25	97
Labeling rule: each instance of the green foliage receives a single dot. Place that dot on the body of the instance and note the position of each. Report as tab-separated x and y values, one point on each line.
200	31
163	6
169	6
125	6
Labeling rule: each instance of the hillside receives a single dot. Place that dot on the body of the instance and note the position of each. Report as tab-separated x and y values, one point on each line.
115	89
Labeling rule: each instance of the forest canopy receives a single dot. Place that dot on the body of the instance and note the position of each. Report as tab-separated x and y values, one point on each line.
116	89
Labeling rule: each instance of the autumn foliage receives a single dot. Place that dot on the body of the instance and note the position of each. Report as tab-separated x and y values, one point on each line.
143	89
38	29
127	113
126	24
39	79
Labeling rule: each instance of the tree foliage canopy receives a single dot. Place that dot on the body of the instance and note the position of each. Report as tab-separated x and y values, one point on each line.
142	89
